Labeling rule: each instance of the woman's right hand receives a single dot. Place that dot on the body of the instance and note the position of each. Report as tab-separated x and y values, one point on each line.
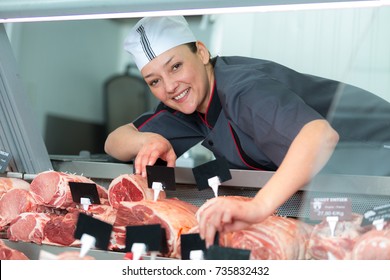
154	146
127	143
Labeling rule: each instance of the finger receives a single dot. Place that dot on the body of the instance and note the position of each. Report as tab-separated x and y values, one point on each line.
142	160
202	217
207	204
201	223
237	225
226	217
210	223
137	165
153	156
171	158
213	225
210	235
149	160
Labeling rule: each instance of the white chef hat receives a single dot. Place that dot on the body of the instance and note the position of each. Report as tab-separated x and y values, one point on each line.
152	36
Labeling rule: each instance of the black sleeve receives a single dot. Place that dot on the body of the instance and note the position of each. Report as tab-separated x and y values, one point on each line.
141	120
182	131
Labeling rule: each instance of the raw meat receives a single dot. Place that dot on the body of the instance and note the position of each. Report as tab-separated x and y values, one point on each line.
323	246
7	184
276	238
7	253
185	205
54	228
28	227
44	228
60	230
176	217
130	187
105	213
13	203
51	188
373	245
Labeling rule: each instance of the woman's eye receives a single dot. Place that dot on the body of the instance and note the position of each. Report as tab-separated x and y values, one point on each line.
153	83
176	66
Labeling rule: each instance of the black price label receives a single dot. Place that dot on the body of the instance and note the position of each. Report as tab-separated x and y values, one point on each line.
218	167
153	236
226	253
192	241
5	158
323	207
377	213
84	190
161	174
94	227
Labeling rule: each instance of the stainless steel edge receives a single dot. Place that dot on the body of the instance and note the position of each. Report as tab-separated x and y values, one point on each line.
32	251
101	170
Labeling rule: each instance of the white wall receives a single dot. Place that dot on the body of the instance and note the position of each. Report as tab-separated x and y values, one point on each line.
64	64
352	45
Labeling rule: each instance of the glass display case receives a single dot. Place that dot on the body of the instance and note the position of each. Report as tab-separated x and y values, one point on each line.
344	40
55	57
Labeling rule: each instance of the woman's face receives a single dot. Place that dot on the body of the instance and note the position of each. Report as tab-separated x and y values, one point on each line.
181	79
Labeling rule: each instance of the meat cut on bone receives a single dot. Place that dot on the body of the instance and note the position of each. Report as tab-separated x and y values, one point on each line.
175	216
28	227
51	188
14	202
53	228
130	187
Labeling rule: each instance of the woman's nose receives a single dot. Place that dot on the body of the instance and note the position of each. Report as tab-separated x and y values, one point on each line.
170	84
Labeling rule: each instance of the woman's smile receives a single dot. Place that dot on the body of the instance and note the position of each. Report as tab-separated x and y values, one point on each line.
179	98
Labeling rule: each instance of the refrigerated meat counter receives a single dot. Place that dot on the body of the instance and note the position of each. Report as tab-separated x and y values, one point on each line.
20	138
365	192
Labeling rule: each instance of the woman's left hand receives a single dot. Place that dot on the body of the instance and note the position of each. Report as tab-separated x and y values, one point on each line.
225	214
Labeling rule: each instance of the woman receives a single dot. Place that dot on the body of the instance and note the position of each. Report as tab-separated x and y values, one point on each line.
255	113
